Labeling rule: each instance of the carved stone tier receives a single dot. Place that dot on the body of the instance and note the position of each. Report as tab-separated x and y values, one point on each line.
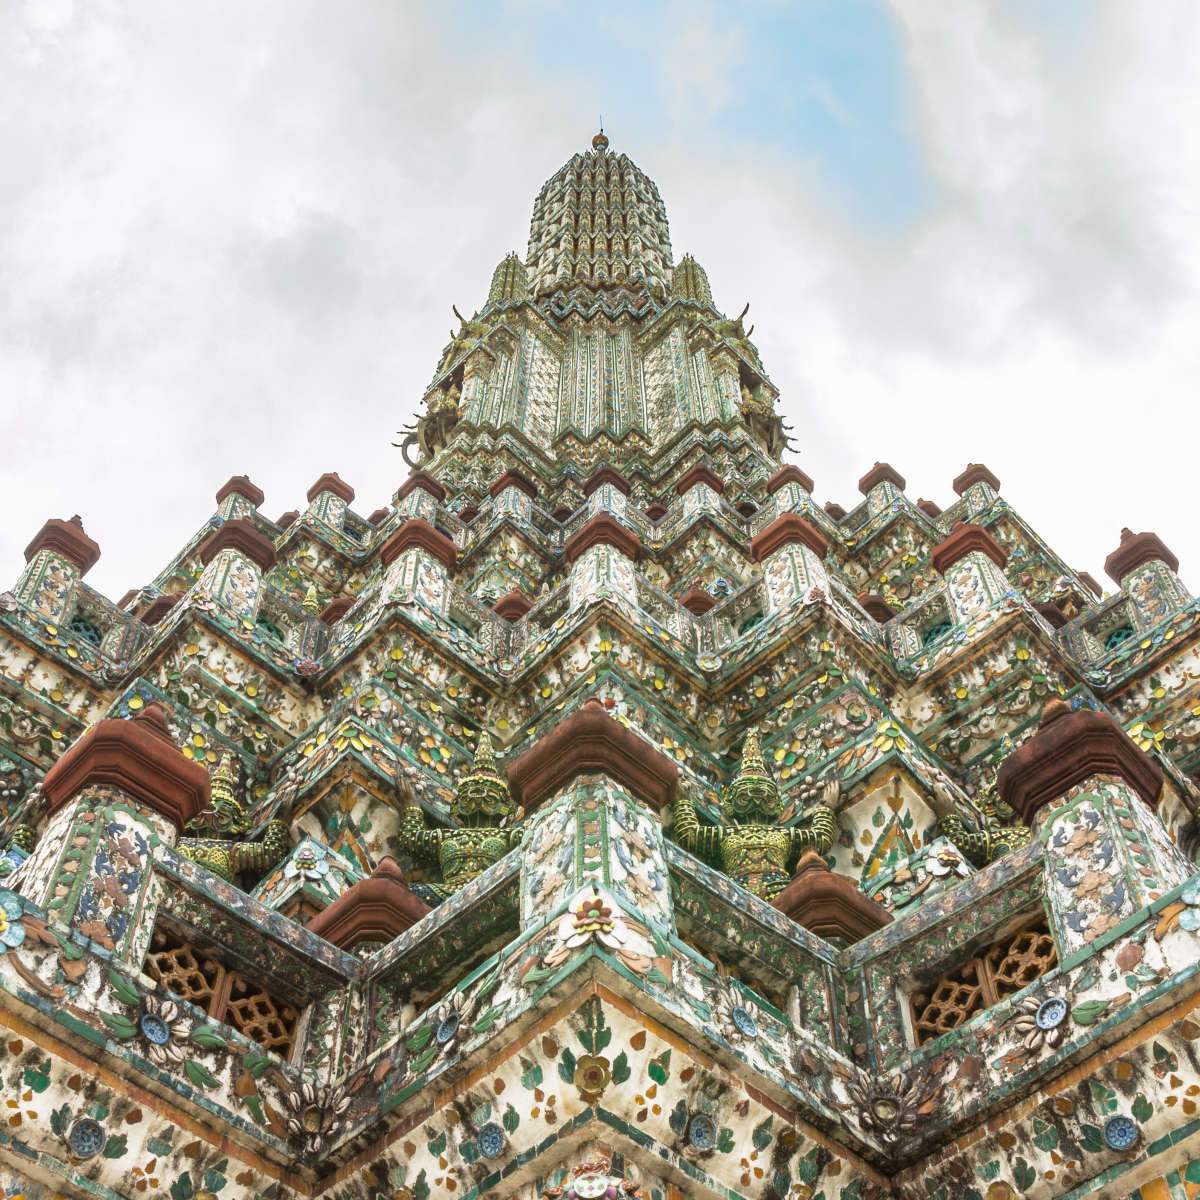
829	904
656	511
931	509
239	534
788	474
514	479
240	485
697	601
700	473
422	479
379	516
337	608
1135	550
419	533
331	481
591	742
68	539
963	540
975	473
137	756
159	608
785	530
288	518
835	511
606	474
375	909
512	606
880	473
603	530
1069	748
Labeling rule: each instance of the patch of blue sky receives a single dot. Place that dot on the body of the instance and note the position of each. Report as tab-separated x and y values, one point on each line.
820	83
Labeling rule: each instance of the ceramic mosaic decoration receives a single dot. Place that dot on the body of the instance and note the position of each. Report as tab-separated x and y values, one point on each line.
604	817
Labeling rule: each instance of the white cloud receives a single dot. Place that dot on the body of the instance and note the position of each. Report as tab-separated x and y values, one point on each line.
230	237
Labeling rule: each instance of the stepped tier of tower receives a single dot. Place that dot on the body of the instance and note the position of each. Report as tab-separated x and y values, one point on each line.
603	811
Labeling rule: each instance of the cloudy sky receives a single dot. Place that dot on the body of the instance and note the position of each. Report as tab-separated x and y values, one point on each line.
230	236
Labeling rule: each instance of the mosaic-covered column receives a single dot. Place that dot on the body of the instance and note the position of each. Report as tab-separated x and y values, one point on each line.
419	561
594	787
701	489
1089	794
57	559
882	485
790	490
419	496
972	563
235	557
725	375
329	498
607	491
792	552
238	497
601	555
978	488
1145	570
512	493
121	790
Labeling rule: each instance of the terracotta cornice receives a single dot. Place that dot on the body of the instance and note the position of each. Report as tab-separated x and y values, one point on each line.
379	516
700	473
159	608
1069	748
963	540
876	606
603	529
422	479
337	608
241	535
419	533
1135	550
656	511
1090	583
788	474
697	601
241	485
607	474
975	473
785	530
512	606
1052	613
68	539
331	481
930	509
140	759
880	473
834	510
376	909
829	904
288	518
589	742
514	479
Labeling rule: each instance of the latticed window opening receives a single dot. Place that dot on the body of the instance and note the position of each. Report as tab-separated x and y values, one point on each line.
1000	970
226	995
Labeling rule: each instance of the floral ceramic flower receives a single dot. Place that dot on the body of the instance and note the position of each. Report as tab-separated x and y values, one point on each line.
1041	1022
12	932
449	1019
887	1108
888	736
592	1075
735	1017
162	1029
314	1115
598	917
308	862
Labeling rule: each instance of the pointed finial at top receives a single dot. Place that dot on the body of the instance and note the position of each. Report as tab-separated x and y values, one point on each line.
485	759
223	780
311	604
752	759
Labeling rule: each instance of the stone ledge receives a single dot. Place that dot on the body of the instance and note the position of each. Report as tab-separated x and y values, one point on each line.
603	530
881	473
417	532
963	540
513	479
1135	550
241	486
68	539
606	474
829	904
784	531
421	479
331	481
975	473
700	473
789	474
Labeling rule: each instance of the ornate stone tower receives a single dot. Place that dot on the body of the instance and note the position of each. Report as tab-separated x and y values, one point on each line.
603	817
